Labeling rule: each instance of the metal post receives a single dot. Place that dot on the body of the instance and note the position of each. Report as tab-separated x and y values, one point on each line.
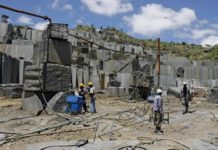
158	62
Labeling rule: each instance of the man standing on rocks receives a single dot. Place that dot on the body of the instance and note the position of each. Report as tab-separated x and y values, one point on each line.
158	111
185	95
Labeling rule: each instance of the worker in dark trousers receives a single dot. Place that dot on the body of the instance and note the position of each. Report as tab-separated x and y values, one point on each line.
158	111
185	95
91	92
82	92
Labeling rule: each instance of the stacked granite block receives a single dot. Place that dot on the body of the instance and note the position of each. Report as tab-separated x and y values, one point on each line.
56	78
51	69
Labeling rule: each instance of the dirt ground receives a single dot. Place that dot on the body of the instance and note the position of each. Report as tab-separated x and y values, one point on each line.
117	123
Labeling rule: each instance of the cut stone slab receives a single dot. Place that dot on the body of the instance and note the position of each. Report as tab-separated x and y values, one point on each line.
201	145
31	102
174	91
213	95
58	102
2	136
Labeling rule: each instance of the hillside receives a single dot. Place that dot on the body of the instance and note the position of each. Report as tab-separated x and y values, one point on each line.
191	51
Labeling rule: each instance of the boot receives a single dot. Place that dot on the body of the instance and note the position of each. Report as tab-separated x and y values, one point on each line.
156	131
161	131
184	112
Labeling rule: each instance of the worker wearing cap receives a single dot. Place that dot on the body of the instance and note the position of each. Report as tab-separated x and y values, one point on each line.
158	111
185	95
82	92
91	92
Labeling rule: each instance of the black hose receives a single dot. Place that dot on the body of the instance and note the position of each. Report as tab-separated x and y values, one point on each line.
132	147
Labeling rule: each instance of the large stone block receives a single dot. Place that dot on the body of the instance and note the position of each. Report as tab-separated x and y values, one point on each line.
53	78
58	102
31	102
57	31
11	90
59	52
9	69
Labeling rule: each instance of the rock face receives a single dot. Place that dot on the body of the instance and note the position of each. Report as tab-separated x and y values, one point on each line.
54	78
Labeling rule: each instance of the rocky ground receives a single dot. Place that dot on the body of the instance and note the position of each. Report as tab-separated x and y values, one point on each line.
116	124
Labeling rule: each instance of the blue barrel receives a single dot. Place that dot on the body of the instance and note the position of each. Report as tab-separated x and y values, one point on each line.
75	103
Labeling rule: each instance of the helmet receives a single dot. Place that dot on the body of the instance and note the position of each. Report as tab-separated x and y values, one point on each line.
184	83
159	91
90	83
81	85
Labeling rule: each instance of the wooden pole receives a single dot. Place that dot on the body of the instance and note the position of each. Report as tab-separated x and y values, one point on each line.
158	62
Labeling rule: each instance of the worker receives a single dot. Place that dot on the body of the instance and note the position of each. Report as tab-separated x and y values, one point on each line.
158	111
91	92
185	95
82	92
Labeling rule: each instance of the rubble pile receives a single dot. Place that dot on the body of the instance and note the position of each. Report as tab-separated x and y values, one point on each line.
199	92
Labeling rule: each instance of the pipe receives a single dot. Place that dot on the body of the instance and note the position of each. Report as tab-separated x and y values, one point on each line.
25	12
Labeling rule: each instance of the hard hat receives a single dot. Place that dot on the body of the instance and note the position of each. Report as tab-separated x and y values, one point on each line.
90	83
159	91
184	83
81	85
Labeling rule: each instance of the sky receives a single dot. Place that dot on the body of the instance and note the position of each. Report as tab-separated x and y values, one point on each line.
191	21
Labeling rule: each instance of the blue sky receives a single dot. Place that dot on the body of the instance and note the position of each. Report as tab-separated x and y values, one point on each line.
192	21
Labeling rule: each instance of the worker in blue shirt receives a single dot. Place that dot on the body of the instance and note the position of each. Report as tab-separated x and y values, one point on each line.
158	111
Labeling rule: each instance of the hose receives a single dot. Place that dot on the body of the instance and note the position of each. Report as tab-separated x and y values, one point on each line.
132	147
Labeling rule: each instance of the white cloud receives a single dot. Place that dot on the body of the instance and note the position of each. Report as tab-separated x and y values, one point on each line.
203	22
181	35
38	10
40	25
201	33
79	21
215	26
67	7
108	7
61	5
155	18
211	40
25	20
55	4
